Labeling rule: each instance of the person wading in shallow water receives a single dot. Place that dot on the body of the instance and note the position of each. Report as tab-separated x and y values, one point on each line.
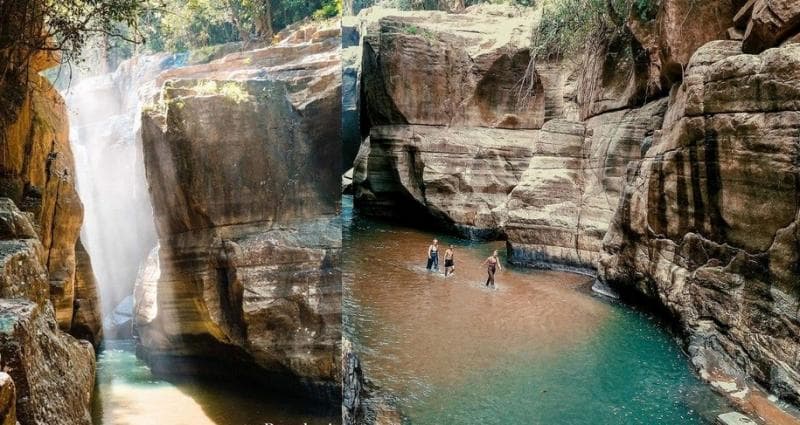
433	255
449	265
492	265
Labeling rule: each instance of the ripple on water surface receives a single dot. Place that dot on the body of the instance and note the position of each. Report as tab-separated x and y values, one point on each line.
127	394
538	349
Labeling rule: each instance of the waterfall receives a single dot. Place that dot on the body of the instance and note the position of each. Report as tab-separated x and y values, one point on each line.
118	229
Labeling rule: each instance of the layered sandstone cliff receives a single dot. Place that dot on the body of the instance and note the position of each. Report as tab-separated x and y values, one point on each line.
242	162
671	173
708	222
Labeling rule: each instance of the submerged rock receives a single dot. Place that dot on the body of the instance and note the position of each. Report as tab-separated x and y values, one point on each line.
242	160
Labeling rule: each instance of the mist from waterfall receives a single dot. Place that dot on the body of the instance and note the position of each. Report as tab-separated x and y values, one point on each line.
118	229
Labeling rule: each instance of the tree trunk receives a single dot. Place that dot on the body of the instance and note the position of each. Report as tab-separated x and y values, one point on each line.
263	20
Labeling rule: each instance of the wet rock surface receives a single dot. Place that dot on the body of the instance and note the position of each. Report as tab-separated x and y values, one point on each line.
248	265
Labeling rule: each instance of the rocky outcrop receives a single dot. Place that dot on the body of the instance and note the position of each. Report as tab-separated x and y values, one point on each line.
8	398
49	375
242	161
38	174
559	212
674	31
363	403
770	23
708	221
53	372
435	68
86	321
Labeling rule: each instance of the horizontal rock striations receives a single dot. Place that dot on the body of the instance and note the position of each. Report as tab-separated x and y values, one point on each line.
242	162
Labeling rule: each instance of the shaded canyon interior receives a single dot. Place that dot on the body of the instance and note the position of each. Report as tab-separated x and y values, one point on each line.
230	270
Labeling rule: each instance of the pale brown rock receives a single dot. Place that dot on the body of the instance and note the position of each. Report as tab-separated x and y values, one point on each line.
559	212
678	29
707	225
8	399
87	322
436	68
248	265
455	177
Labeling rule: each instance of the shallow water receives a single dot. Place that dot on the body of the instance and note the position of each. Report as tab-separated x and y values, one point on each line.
541	348
126	393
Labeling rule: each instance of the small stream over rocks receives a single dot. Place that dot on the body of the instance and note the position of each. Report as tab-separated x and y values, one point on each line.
541	348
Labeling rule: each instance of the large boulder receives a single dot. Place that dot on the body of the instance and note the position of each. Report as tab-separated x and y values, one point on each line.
242	161
771	23
53	372
672	31
707	224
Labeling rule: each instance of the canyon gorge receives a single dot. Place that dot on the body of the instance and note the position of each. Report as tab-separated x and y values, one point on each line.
661	158
179	201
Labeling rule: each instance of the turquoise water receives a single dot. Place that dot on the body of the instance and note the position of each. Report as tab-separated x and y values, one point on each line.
541	349
126	393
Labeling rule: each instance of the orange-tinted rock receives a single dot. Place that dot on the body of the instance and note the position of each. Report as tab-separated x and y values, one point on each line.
38	175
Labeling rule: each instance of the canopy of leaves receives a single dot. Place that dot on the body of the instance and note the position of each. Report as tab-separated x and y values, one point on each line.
179	25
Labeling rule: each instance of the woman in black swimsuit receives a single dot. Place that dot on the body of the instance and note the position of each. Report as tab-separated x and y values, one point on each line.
492	265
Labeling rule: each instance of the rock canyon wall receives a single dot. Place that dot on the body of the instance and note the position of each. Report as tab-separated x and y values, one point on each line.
242	158
665	161
46	283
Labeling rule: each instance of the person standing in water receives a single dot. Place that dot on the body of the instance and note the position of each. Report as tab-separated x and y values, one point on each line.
449	265
492	265
433	255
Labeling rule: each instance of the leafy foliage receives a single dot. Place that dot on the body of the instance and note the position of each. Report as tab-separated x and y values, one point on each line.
566	25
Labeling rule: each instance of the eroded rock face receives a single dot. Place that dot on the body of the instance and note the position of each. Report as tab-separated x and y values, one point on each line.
86	321
53	372
452	176
435	68
771	23
38	175
677	29
363	403
708	223
559	212
242	160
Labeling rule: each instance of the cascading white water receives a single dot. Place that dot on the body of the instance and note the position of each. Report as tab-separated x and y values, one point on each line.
118	229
